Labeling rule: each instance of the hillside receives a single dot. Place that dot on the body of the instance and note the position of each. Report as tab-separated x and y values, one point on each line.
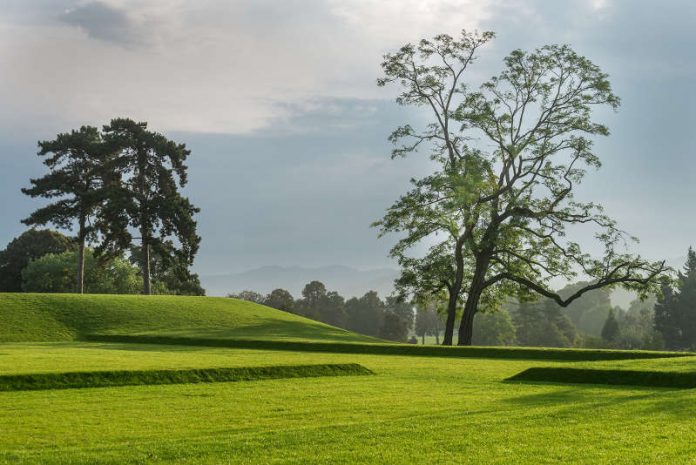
65	317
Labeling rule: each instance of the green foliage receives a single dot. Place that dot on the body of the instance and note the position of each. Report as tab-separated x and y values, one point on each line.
428	322
365	315
91	379
509	156
610	330
249	296
30	245
675	311
145	196
543	324
494	329
394	327
57	273
280	299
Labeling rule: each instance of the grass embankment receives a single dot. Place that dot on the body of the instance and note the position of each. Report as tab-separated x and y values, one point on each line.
67	317
564	375
90	379
520	353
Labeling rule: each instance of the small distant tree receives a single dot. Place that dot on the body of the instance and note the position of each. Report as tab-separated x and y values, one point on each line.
146	196
610	330
313	297
74	183
494	329
250	296
394	327
365	315
542	323
28	246
280	299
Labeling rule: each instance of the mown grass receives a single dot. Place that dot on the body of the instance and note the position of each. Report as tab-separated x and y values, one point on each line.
65	317
91	379
414	410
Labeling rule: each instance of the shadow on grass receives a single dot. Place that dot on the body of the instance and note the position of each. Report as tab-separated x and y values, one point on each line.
519	353
645	378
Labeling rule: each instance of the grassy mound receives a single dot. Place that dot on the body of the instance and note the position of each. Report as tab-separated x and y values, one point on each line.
66	317
519	353
85	379
668	379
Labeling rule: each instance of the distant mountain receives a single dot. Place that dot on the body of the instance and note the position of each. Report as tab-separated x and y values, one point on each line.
349	282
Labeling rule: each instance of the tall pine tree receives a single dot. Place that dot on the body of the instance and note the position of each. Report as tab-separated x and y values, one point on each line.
675	311
146	198
74	183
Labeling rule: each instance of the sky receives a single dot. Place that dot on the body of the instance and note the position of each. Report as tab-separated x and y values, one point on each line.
278	102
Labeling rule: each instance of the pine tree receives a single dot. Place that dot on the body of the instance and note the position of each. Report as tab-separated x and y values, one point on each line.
675	311
146	197
610	330
74	182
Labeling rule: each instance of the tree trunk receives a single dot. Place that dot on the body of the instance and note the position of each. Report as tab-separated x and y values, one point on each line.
466	326
81	256
451	316
146	266
423	338
437	337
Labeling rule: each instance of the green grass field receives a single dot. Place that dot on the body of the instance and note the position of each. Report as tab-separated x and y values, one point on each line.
413	409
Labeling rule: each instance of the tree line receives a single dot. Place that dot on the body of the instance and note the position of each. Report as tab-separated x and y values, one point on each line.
118	188
42	260
389	319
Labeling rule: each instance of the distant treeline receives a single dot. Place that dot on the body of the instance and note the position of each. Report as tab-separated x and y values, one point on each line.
667	322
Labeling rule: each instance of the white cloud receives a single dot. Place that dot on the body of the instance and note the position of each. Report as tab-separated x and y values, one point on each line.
211	66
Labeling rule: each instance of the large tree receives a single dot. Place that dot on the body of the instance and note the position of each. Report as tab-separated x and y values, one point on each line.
509	155
675	311
74	184
28	246
147	197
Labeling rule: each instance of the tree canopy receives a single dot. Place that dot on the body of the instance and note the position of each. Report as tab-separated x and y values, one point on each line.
509	155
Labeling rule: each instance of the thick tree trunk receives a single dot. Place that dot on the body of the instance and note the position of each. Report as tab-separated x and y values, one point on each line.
466	326
451	317
146	265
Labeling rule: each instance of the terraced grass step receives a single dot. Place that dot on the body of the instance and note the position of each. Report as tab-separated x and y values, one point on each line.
519	353
88	379
664	379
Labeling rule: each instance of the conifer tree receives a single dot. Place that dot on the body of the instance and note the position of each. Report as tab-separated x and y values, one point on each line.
74	183
675	311
146	198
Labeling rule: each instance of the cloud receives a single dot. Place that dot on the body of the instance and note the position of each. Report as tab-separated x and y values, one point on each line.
104	22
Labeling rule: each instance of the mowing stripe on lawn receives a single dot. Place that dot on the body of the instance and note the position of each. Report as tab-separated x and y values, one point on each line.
664	379
522	353
87	379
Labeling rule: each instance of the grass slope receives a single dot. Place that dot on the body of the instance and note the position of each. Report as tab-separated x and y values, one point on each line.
90	379
65	317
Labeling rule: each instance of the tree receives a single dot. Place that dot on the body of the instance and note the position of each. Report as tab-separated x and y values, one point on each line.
28	246
151	169
74	183
509	156
675	311
494	329
250	296
610	330
394	327
55	273
365	315
402	309
589	312
542	323
280	299
313	297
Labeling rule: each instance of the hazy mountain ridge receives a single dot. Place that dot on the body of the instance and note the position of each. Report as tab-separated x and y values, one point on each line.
348	281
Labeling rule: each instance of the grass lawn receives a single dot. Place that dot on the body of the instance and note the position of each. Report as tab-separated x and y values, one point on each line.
413	409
